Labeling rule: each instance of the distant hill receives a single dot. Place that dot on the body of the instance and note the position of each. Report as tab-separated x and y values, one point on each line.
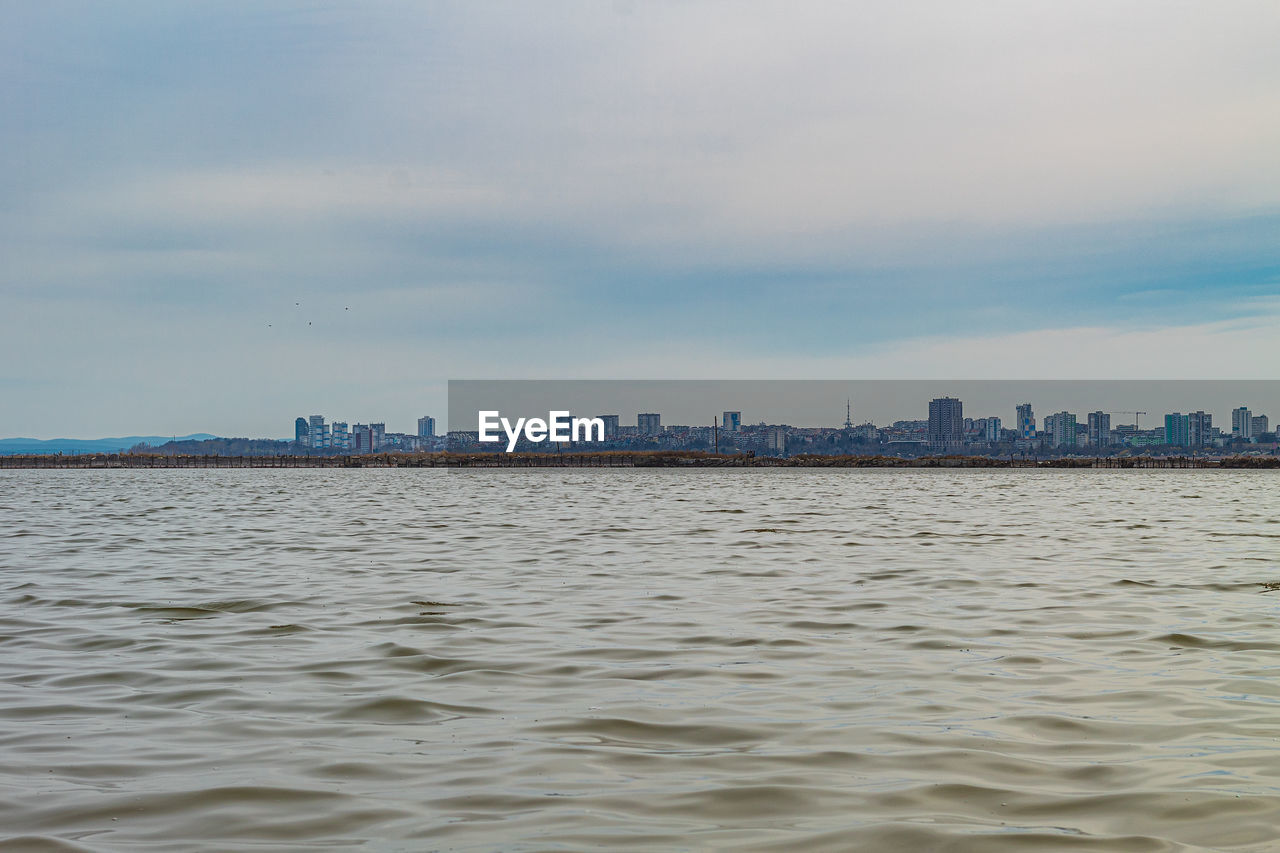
10	446
219	447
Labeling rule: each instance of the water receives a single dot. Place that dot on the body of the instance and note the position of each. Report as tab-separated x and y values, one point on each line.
643	659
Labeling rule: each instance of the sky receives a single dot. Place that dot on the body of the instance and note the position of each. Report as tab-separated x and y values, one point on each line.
218	217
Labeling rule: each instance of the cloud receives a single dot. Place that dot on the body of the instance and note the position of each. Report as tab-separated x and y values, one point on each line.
667	186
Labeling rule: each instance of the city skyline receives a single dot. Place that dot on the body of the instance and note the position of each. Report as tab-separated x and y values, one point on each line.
317	431
822	403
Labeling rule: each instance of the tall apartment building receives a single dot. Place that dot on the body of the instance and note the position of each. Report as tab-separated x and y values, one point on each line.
302	432
946	423
1258	424
426	427
1199	429
1177	430
992	430
319	432
1242	423
775	439
1026	421
361	439
1064	429
339	437
731	422
610	426
649	423
1099	429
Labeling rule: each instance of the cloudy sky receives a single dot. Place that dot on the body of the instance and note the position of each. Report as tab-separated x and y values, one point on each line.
218	217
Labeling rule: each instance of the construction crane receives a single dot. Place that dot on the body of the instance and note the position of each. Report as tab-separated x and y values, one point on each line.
1136	425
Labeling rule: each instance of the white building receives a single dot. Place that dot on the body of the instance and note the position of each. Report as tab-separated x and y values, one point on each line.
319	432
1064	429
1242	423
340	437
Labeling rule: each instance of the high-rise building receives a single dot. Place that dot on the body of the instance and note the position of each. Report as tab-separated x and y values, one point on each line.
302	432
361	439
946	423
731	422
1064	429
1242	423
1258	424
318	431
1026	421
649	423
339	437
1099	429
426	427
1177	430
610	426
992	432
378	435
1199	429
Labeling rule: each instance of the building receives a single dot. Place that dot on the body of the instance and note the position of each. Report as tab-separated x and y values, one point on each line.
319	433
1177	430
610	426
302	432
1026	421
731	422
339	437
361	439
378	433
775	439
991	433
1099	429
649	423
1123	432
1242	423
1200	429
426	427
1064	429
1258	424
946	423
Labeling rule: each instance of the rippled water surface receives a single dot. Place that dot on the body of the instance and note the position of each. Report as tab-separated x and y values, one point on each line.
653	660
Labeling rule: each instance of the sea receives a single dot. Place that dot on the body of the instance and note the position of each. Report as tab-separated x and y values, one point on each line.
640	659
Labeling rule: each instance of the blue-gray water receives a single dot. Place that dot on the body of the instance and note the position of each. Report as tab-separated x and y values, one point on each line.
686	660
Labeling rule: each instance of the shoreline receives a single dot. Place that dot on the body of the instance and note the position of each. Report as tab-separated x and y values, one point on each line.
619	459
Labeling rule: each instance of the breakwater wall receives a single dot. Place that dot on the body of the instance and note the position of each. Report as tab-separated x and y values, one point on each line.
640	459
